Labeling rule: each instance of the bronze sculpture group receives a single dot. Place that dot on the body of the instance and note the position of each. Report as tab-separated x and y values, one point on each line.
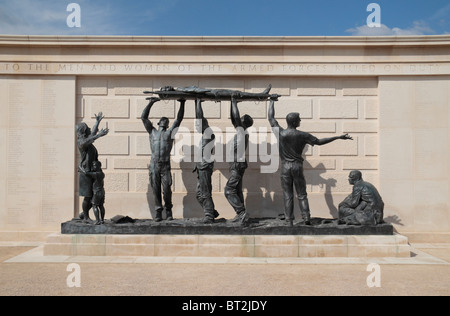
363	207
89	170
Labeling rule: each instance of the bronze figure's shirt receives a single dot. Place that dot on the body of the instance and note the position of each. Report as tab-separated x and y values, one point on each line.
206	157
292	142
365	192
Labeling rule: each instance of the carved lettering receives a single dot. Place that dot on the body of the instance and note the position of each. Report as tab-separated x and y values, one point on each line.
69	68
103	67
305	68
253	68
211	68
38	67
226	69
146	68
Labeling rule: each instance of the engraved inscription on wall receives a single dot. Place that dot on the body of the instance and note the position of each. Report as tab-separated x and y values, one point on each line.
278	69
39	147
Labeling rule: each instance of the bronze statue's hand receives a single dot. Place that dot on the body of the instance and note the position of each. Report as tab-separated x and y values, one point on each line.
99	116
104	132
154	99
235	96
346	136
274	97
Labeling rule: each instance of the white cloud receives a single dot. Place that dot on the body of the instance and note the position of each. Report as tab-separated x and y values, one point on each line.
442	13
30	17
100	17
418	28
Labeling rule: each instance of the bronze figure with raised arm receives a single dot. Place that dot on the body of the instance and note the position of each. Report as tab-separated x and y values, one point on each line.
291	143
161	143
205	165
233	188
89	154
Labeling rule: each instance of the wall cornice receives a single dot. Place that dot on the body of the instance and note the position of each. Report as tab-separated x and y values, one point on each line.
225	56
17	40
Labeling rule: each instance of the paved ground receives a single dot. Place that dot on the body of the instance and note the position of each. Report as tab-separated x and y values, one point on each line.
24	271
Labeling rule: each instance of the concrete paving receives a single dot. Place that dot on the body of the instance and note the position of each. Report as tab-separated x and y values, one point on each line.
25	271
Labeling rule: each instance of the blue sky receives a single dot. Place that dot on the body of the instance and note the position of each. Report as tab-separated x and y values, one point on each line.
225	17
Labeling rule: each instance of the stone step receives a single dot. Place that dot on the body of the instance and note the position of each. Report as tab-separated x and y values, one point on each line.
227	246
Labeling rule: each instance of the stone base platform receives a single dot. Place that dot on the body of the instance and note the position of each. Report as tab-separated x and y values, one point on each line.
253	246
262	226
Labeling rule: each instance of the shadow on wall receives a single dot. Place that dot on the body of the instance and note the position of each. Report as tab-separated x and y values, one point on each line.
150	198
314	176
263	198
191	207
394	220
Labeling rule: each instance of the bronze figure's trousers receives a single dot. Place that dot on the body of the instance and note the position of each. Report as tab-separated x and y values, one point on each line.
161	177
204	191
292	176
233	189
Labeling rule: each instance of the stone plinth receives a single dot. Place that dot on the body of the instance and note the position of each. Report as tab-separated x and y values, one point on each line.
227	246
223	227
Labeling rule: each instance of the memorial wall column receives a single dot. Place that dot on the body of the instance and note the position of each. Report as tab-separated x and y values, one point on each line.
414	151
37	123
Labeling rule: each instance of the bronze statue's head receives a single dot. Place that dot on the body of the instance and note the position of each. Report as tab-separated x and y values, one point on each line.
82	130
163	122
293	120
247	120
354	176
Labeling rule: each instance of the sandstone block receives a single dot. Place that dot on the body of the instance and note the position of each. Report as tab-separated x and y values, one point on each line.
338	108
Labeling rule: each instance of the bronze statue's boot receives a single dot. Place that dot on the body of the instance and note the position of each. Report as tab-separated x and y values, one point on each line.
97	216
306	213
210	216
86	217
86	206
169	215
235	219
242	218
238	217
158	216
208	220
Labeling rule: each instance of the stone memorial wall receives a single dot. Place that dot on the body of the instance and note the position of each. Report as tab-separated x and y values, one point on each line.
390	94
